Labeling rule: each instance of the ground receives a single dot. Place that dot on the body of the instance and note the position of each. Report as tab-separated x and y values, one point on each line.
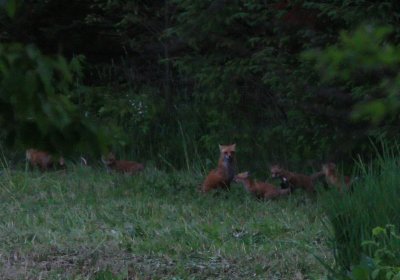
87	224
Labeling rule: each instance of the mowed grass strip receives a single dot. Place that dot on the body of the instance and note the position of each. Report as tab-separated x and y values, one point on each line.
87	224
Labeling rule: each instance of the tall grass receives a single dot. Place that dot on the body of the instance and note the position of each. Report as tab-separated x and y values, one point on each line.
156	225
374	202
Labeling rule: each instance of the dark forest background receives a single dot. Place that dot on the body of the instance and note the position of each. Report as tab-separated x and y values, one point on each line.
295	82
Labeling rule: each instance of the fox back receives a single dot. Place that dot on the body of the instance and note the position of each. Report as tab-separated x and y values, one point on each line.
39	159
122	166
43	160
260	189
293	179
223	175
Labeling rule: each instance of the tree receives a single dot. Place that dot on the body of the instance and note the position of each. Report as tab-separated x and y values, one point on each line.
35	100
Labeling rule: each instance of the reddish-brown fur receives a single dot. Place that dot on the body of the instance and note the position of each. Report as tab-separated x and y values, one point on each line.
332	177
223	175
43	160
122	166
295	179
260	189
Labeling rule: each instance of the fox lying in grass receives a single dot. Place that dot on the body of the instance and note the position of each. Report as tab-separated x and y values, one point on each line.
122	166
260	189
223	175
332	178
296	180
43	160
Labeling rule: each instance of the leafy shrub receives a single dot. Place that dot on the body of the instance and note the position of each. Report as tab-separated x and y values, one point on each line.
35	105
382	262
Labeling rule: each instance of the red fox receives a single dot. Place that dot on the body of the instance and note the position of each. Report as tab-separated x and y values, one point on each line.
295	180
43	160
122	166
223	175
332	177
260	189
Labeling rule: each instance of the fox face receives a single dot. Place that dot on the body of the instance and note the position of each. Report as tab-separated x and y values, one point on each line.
227	160
227	152
329	168
109	159
276	171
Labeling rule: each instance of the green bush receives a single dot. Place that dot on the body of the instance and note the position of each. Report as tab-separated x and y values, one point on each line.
35	102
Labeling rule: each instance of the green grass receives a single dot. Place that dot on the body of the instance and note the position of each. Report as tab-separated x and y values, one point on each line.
374	202
87	224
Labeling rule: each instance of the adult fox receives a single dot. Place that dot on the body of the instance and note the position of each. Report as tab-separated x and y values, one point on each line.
43	160
222	176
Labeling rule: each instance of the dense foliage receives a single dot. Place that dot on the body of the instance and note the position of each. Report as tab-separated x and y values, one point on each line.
288	81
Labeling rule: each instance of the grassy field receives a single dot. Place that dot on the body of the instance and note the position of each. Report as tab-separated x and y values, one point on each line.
87	224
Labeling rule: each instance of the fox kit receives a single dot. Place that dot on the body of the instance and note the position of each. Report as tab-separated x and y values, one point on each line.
122	166
43	160
332	177
223	175
260	189
295	180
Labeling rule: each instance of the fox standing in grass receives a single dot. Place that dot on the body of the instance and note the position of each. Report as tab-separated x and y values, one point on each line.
296	180
43	160
223	175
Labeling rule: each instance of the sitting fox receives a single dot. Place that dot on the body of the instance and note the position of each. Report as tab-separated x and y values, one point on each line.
223	175
260	189
295	180
122	166
43	160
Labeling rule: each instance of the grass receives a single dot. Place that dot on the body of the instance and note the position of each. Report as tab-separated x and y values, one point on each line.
87	224
374	202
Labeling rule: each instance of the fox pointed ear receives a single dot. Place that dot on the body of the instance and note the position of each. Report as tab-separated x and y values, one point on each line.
233	147
220	147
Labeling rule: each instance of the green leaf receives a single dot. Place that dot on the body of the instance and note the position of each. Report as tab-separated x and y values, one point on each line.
378	231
